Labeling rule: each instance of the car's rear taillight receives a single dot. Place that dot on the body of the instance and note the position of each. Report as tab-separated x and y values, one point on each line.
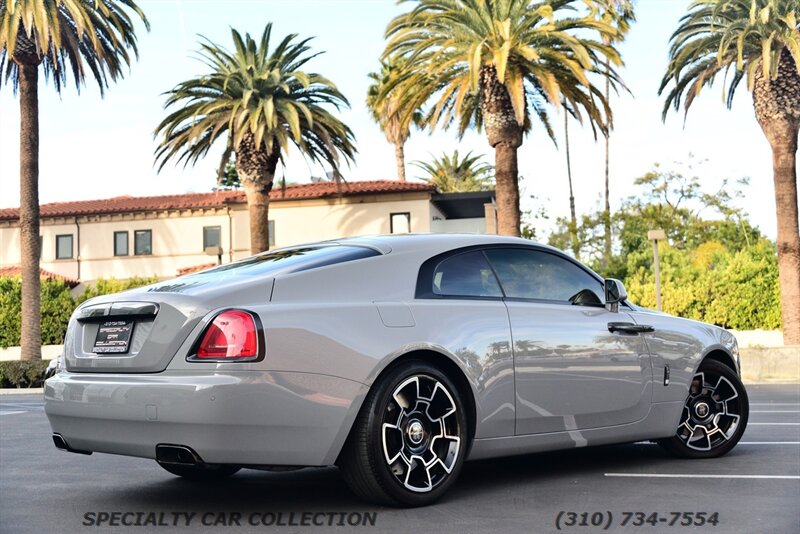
232	335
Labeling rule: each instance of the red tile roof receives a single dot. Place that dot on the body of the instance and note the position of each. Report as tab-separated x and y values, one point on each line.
219	199
195	268
16	270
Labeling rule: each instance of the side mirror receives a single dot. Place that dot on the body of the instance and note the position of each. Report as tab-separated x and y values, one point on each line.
615	293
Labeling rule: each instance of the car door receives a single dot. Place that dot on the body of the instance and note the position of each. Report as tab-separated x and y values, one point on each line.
571	372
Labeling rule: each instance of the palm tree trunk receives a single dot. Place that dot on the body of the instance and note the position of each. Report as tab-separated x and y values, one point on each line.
784	163
507	189
31	335
258	212
777	107
573	228
607	210
505	136
400	160
256	169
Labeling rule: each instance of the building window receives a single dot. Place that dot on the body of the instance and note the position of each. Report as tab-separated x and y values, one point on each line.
121	243
400	223
64	247
212	236
143	242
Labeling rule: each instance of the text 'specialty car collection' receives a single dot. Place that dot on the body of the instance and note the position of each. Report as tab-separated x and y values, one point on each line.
396	358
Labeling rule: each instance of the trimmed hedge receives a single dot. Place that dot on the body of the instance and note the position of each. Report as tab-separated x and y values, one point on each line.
57	305
107	286
22	374
738	290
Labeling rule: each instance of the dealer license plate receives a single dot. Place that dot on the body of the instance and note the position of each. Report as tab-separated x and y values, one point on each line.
113	337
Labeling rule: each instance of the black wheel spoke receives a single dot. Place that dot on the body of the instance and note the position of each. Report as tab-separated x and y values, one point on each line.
392	443
441	404
407	394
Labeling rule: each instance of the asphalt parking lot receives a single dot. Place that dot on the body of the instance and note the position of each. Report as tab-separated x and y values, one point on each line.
754	489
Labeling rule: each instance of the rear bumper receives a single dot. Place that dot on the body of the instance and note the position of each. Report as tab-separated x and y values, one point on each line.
247	418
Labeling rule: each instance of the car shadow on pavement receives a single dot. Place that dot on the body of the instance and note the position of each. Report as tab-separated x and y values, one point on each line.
323	488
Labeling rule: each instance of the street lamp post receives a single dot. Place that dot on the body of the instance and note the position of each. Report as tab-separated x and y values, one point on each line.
655	236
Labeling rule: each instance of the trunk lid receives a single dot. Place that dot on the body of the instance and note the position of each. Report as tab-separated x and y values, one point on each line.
129	334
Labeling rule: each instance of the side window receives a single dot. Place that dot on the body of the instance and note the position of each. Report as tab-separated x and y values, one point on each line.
465	275
534	274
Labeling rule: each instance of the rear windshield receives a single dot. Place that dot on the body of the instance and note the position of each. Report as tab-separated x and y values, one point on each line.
270	264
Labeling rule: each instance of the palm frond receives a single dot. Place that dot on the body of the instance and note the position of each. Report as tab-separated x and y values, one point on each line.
257	93
69	38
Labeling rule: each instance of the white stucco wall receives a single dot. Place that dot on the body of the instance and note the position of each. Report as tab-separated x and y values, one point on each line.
177	236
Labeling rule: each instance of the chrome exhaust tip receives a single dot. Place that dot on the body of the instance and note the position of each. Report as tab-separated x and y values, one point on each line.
177	455
61	444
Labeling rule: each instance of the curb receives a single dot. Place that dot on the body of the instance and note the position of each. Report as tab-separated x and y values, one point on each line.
21	391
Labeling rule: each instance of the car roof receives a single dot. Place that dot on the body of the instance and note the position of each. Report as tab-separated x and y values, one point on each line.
433	242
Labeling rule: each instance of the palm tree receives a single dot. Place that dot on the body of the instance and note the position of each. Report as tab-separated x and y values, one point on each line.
621	14
486	63
758	40
454	174
62	37
260	101
573	218
395	121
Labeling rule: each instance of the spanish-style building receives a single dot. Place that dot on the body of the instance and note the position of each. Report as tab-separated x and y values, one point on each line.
163	236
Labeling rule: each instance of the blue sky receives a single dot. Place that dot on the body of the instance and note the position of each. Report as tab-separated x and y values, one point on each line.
97	148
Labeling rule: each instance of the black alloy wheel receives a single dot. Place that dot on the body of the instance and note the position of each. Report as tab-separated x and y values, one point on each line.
408	443
714	416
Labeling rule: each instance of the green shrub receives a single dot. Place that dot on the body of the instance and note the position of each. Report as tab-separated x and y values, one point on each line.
107	286
22	374
57	305
736	289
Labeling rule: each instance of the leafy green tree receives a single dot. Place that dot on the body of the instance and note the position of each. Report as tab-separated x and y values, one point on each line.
260	101
229	179
61	37
491	64
670	199
451	173
758	40
394	119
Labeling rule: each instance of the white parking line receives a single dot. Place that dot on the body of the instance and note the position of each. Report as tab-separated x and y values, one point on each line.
11	413
676	475
775	404
774	411
769	443
774	424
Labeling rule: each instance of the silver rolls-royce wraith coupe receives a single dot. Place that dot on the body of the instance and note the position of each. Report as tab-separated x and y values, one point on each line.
396	358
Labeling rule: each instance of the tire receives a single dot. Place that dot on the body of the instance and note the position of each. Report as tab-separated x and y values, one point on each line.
408	443
201	473
714	416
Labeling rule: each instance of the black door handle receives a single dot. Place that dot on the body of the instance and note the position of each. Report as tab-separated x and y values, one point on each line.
630	328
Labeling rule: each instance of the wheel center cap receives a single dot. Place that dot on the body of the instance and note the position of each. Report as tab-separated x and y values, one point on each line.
415	432
701	409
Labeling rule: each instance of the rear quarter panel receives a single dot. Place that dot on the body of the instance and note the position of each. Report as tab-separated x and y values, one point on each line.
327	321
